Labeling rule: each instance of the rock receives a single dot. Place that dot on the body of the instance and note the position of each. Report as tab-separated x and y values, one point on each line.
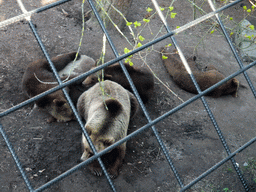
247	45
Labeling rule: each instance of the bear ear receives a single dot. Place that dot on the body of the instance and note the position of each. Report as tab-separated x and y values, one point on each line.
58	103
235	82
134	104
95	64
109	141
88	130
90	80
86	81
85	156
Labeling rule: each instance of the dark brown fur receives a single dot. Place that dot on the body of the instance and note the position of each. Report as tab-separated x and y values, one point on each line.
54	103
205	79
142	79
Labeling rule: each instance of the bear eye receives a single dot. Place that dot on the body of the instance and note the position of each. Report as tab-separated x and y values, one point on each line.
106	143
60	103
89	131
90	154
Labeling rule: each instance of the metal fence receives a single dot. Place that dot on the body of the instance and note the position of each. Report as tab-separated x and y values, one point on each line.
151	123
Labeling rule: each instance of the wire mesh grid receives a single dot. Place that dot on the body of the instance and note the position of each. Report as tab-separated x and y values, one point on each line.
151	123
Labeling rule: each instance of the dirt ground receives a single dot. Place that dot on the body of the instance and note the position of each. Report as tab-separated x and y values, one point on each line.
47	150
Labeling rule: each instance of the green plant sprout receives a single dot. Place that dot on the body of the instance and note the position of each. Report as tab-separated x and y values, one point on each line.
137	28
225	19
226	189
138	39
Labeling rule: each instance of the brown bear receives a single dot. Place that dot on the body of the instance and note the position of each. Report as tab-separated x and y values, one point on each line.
142	79
205	79
107	108
39	78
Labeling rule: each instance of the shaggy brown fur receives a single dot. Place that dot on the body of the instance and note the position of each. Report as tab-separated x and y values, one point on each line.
142	79
106	123
54	103
205	79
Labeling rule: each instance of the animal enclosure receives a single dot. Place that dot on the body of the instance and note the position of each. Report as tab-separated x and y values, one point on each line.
166	159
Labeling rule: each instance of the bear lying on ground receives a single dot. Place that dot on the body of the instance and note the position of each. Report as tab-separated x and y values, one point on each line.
107	108
205	79
39	78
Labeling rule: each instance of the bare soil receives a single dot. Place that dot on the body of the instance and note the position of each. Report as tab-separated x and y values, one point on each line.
47	150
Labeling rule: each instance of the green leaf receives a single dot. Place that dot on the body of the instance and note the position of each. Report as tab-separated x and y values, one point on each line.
129	23
244	7
247	36
137	24
212	31
141	38
249	10
164	57
127	60
231	33
149	9
126	50
130	63
146	20
169	45
253	7
139	44
173	15
162	9
251	27
177	27
171	8
231	18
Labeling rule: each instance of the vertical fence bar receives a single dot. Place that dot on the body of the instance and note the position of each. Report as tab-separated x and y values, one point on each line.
159	119
232	48
137	95
216	166
230	155
222	138
70	103
16	159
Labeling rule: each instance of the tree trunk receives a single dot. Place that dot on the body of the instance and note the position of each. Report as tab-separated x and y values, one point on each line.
122	5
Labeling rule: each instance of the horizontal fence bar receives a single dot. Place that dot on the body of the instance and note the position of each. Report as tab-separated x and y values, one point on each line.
70	103
80	77
30	13
240	63
159	140
16	159
216	166
105	65
210	114
101	67
148	125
